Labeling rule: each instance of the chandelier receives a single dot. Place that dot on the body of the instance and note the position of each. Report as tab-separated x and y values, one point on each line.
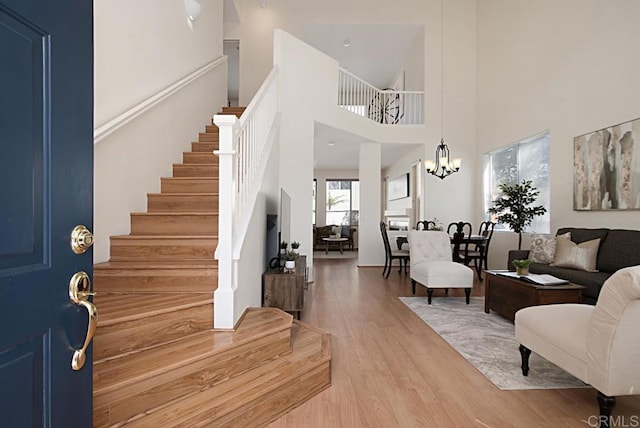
442	166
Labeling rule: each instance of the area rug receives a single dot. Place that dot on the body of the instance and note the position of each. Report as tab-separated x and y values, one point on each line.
487	341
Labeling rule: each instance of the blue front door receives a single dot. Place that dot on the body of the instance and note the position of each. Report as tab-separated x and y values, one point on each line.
46	189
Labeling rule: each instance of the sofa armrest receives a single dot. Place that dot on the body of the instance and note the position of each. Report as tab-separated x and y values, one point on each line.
516	255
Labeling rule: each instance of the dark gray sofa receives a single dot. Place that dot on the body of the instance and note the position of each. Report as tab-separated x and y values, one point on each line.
619	248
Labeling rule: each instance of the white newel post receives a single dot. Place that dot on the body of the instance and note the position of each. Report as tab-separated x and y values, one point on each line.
224	296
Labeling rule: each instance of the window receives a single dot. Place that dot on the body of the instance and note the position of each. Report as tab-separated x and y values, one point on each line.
525	160
314	194
416	192
343	202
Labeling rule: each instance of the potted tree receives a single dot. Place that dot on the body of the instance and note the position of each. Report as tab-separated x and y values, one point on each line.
513	207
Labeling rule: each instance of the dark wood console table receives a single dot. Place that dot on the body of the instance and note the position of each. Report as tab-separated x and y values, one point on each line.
507	295
286	290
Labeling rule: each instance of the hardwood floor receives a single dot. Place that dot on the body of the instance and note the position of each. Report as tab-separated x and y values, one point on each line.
389	369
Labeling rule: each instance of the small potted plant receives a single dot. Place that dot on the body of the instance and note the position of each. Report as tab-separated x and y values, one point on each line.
290	260
522	266
294	246
283	247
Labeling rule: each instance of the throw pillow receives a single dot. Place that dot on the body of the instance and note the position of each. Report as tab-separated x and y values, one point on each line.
335	231
543	247
577	256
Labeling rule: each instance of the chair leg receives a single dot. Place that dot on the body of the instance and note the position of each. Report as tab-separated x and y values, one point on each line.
478	265
429	295
606	405
524	354
389	268
467	293
413	285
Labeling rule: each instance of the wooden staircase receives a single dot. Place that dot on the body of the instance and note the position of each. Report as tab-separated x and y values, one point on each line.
157	361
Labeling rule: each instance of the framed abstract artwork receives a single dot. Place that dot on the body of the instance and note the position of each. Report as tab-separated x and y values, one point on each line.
399	187
607	168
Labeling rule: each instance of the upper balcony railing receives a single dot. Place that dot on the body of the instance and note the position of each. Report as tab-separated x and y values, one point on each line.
389	107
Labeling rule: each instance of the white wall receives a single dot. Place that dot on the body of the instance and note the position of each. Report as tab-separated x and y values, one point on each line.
571	67
402	166
308	94
142	46
454	197
251	265
137	54
292	16
371	249
413	66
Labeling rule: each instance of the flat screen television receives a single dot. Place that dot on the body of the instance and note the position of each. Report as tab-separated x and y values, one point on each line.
273	243
278	230
285	217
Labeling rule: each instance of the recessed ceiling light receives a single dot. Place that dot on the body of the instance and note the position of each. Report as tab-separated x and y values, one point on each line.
331	144
347	43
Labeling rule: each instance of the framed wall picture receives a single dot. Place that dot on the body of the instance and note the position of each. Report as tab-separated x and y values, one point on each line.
399	187
607	168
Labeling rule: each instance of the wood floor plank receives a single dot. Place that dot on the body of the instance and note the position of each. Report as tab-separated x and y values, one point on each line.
389	369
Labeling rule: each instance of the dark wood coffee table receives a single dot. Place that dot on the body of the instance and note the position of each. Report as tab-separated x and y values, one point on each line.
507	295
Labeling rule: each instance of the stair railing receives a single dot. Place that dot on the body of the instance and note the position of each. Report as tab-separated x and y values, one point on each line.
245	145
388	107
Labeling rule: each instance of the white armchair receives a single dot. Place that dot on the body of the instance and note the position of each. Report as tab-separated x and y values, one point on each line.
599	345
432	265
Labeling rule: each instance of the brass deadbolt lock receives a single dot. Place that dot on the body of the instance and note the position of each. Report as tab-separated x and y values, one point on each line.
81	239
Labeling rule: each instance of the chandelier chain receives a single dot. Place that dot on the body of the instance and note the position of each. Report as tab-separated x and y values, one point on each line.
442	166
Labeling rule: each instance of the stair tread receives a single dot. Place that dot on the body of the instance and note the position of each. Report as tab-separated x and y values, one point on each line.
122	307
183	194
196	164
189	178
163	237
160	214
257	323
310	349
157	264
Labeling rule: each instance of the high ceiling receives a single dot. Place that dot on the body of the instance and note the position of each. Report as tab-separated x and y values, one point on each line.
376	52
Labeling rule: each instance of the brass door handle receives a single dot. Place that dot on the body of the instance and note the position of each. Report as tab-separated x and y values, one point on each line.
79	293
81	239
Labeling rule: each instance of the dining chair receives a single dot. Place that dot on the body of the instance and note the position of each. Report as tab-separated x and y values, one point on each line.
486	230
460	232
426	225
478	252
391	255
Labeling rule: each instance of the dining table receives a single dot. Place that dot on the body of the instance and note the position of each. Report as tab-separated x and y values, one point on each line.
478	240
